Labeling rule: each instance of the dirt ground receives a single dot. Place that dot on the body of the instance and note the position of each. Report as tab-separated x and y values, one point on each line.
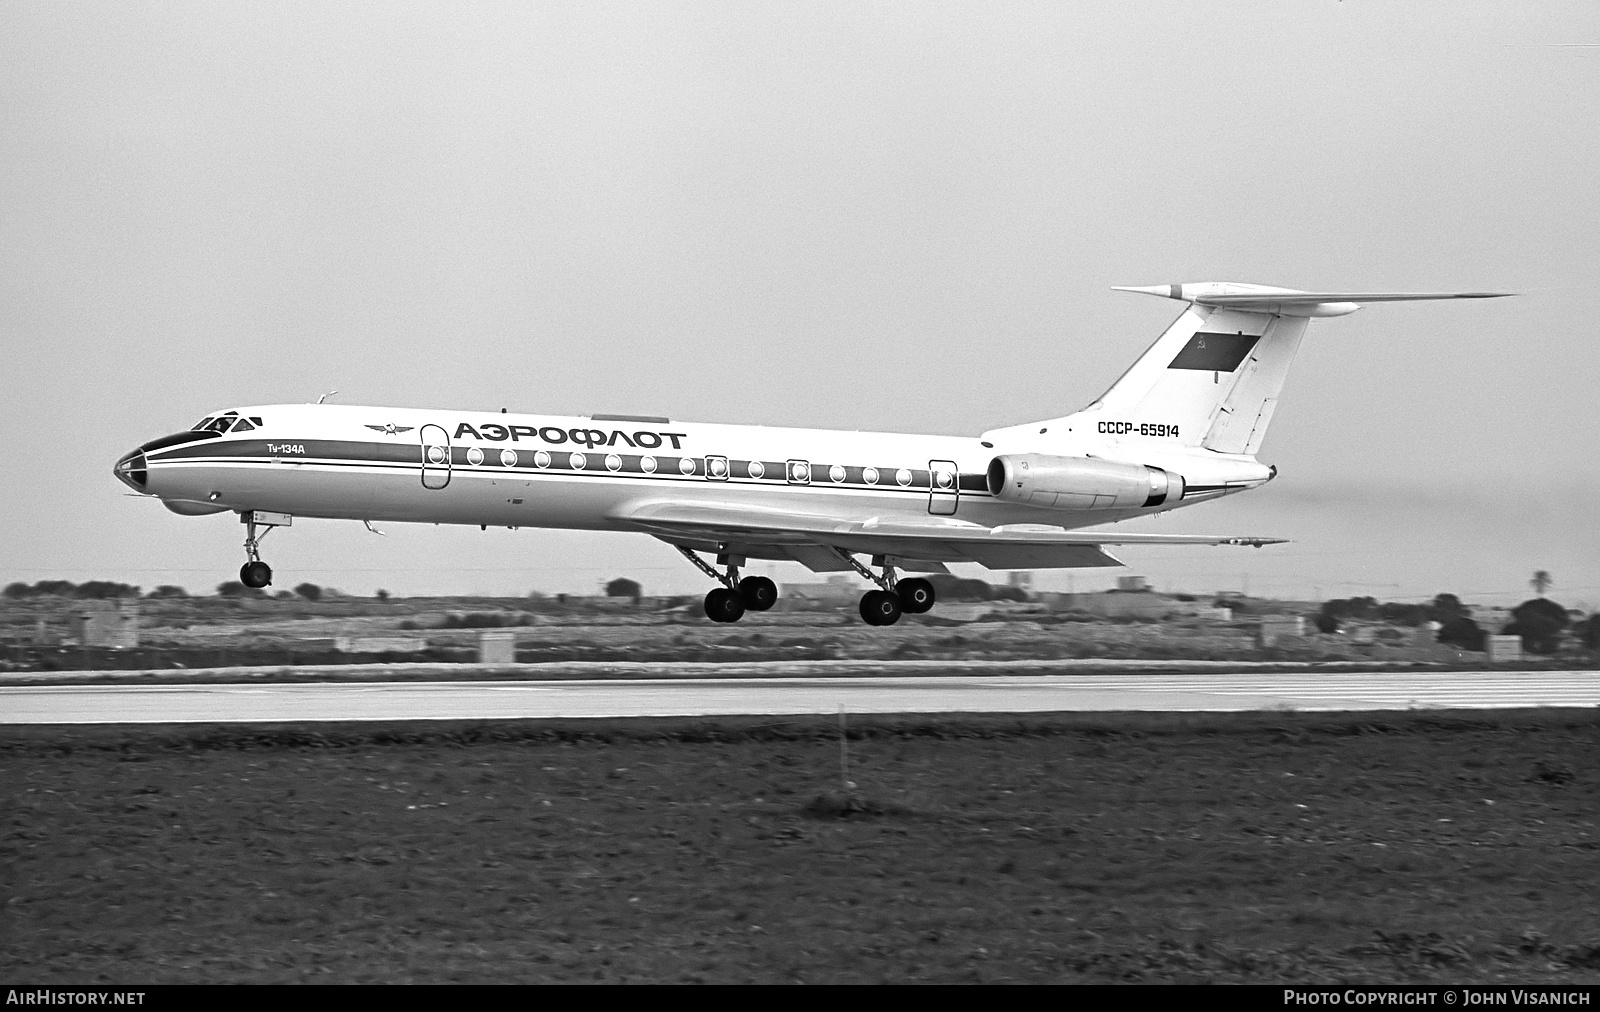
1260	847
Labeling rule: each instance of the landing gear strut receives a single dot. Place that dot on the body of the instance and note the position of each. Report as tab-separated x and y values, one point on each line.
729	602
256	574
896	596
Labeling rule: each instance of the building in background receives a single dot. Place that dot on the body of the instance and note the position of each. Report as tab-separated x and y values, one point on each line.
99	624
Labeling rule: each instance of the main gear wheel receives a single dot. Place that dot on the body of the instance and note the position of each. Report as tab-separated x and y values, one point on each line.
916	595
724	605
758	593
879	607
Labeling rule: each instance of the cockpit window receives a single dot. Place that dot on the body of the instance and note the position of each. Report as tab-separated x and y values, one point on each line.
225	422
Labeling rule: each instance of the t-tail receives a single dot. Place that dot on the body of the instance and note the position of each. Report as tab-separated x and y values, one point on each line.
1212	381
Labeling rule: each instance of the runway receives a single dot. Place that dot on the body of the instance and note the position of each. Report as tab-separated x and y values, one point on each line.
402	701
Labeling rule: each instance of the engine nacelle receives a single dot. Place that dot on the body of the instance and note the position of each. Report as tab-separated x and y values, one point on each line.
1080	483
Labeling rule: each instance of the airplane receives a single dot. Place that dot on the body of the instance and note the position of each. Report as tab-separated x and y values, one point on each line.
1181	426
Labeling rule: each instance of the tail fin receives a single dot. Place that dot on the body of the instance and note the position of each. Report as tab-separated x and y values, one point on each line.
1212	380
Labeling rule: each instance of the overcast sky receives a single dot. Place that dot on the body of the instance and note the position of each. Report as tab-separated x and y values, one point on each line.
862	216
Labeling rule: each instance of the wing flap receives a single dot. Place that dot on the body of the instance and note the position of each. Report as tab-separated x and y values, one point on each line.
807	537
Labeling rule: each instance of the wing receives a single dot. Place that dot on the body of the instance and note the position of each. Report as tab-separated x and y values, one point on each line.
815	540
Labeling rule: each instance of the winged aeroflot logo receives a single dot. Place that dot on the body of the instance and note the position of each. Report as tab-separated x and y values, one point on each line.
391	429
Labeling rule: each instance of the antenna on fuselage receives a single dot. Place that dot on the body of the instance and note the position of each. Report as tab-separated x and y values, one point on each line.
325	396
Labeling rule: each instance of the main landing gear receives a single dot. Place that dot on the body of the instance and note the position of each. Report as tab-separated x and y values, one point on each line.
896	596
884	606
729	602
256	574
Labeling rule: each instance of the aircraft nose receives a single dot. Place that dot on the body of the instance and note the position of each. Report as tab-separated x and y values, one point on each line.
130	469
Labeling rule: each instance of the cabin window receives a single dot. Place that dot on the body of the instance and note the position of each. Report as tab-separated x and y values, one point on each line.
243	425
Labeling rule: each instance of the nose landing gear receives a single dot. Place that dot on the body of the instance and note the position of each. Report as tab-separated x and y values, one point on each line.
256	574
729	602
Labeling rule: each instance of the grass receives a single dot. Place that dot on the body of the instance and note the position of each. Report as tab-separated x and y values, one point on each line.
216	632
1255	847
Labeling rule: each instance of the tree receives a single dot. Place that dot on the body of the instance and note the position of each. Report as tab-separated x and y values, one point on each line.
18	591
1332	615
233	588
168	590
1539	622
106	588
382	595
1588	631
1541	582
1448	606
1462	632
1405	614
624	587
309	591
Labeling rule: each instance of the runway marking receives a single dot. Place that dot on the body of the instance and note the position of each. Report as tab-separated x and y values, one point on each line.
705	697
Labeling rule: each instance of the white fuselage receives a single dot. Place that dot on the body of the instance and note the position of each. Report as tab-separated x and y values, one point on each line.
522	470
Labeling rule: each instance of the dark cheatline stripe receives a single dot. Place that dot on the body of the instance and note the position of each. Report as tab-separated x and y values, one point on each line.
191	436
323	449
1214	352
359	452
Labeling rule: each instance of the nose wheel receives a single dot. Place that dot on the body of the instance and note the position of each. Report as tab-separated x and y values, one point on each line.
256	574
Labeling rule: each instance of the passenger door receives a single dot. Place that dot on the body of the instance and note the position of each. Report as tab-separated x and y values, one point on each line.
435	457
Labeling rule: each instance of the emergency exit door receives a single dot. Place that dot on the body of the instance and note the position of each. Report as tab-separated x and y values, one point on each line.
944	487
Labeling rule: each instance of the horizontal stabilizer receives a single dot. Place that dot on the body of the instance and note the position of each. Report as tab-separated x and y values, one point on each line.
1310	298
1288	301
